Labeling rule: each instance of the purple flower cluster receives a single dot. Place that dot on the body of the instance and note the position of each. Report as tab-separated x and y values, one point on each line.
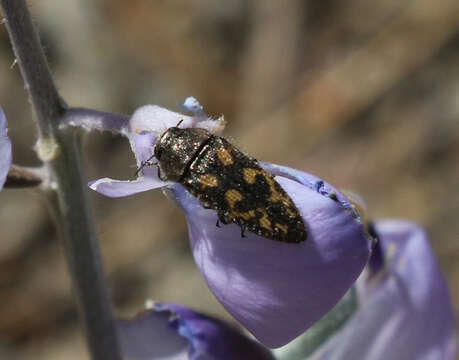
276	290
279	290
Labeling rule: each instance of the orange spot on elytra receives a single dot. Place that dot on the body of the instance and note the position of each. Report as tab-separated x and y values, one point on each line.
232	197
275	196
208	180
250	175
225	157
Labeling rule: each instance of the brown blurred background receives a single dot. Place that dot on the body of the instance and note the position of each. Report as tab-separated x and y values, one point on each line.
363	94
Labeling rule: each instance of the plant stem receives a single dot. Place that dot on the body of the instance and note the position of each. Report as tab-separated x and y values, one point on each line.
73	213
70	204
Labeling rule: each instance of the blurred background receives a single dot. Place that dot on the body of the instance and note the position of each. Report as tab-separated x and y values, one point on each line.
363	94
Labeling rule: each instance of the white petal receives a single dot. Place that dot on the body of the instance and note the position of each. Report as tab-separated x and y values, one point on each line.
119	188
156	119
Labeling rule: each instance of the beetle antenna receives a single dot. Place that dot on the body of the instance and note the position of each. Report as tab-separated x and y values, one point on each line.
179	123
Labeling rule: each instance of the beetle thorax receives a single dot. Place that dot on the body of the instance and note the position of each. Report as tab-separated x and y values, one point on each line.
176	149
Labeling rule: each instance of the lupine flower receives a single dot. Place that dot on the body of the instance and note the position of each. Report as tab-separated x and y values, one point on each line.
404	310
276	290
168	331
5	149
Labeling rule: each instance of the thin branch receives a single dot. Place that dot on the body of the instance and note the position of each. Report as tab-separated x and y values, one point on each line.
24	177
59	149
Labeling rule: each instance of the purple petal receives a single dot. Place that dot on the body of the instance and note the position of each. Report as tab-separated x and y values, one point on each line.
192	105
175	332
5	149
310	181
406	310
142	145
278	290
152	335
119	188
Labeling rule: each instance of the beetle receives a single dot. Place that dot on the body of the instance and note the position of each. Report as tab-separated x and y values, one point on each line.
228	181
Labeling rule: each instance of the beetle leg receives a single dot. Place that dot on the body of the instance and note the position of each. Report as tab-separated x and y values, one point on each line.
147	162
159	173
206	205
243	229
224	219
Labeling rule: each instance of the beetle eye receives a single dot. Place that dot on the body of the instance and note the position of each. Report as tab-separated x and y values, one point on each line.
158	152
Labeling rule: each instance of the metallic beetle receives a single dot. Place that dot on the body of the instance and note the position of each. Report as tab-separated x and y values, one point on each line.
228	181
